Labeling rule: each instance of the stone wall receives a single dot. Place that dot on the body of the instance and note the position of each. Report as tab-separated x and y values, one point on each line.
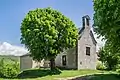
70	59
86	61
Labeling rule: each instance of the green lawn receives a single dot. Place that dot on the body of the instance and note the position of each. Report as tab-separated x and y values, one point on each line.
43	74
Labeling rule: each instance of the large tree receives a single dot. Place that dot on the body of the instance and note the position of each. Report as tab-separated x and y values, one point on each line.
46	33
108	56
107	20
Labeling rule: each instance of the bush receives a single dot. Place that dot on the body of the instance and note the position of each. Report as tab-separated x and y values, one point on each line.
100	66
1	67
117	67
118	72
9	70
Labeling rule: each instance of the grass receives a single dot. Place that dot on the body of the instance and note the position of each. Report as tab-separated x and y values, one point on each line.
45	74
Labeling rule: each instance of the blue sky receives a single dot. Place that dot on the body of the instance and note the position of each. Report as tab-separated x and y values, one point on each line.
13	11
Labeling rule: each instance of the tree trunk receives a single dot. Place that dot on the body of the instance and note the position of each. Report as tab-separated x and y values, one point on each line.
52	64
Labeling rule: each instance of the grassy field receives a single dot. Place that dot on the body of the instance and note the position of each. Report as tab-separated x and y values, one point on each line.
43	74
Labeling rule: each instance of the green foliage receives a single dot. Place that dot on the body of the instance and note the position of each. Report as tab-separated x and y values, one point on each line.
100	66
1	67
9	69
117	66
47	32
107	21
109	57
118	70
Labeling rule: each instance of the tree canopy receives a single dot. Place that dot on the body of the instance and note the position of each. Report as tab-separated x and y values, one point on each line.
47	32
107	20
108	56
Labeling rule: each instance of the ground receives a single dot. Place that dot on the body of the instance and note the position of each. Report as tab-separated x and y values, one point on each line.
45	74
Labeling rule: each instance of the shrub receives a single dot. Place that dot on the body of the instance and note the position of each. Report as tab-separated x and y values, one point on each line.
117	67
100	66
1	67
118	72
9	69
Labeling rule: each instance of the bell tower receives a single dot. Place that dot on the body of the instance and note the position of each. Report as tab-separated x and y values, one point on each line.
86	21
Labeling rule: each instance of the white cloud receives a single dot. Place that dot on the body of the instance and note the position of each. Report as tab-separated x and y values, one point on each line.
8	49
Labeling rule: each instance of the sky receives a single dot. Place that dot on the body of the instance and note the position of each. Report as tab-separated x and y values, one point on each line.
12	12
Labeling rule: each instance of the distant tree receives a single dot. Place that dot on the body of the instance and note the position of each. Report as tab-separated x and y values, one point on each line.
107	21
46	33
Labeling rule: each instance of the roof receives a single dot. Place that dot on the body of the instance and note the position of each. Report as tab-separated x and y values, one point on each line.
83	28
93	38
91	34
86	16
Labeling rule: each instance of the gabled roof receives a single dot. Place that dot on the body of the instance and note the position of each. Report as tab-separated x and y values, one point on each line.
93	38
91	34
81	30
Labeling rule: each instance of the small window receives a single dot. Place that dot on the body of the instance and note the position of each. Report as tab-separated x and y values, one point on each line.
64	60
88	51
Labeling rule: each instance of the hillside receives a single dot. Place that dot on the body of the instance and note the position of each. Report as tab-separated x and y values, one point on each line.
16	58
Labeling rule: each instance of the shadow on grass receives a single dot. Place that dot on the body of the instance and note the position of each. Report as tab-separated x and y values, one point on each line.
38	73
99	77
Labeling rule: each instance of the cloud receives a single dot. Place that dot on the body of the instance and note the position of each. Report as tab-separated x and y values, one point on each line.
8	49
